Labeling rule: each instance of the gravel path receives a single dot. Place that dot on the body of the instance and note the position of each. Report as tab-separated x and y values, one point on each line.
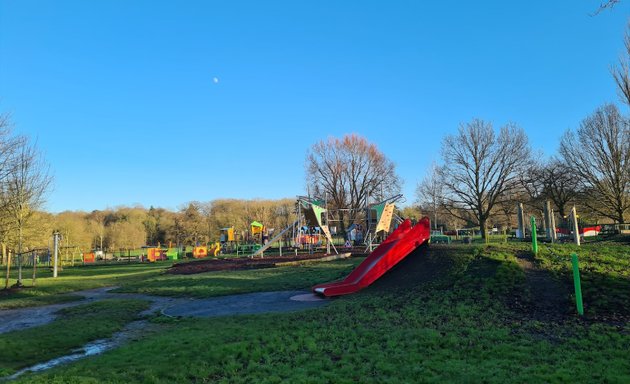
260	302
249	303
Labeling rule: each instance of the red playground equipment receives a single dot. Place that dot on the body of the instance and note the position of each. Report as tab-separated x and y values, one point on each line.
396	247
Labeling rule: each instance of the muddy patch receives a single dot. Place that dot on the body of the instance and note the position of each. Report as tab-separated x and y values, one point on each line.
240	263
423	265
548	298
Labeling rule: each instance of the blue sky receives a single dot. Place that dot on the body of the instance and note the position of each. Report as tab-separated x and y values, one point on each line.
122	99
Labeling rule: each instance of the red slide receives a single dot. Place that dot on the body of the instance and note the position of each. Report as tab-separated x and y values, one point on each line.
395	248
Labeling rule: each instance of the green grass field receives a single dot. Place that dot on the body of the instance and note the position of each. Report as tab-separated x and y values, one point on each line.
453	314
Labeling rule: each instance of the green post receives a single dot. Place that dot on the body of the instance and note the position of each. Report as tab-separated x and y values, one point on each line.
578	285
534	240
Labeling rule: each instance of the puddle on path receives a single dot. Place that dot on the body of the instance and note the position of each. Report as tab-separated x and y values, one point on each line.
96	347
259	302
23	318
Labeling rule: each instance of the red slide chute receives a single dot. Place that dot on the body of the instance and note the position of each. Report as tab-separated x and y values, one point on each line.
395	248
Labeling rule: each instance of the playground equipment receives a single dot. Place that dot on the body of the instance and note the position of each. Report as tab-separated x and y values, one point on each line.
200	252
89	257
311	214
156	254
390	252
380	217
227	235
312	228
273	240
316	216
258	231
214	249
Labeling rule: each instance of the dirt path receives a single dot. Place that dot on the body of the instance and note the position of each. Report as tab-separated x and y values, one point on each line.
549	298
249	303
260	302
239	263
23	318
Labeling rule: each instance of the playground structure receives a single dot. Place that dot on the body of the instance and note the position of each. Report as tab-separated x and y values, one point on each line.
229	241
156	254
313	228
258	231
201	251
398	245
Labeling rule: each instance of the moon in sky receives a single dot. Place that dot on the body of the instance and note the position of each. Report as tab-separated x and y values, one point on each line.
215	80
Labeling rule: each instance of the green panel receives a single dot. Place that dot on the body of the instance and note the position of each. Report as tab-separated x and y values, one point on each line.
318	214
172	254
379	208
313	215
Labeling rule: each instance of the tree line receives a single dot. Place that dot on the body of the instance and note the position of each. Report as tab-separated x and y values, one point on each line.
484	173
125	228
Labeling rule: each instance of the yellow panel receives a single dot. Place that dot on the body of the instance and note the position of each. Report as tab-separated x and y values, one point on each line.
386	218
230	234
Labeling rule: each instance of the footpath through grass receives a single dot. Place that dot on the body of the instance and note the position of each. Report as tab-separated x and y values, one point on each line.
74	328
445	316
71	279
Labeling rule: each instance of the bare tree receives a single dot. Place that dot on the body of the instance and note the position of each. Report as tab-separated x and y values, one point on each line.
621	72
553	180
430	192
7	148
599	153
608	4
24	190
350	171
480	168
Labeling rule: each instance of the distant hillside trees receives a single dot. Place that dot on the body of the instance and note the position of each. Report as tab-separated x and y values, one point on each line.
75	229
124	228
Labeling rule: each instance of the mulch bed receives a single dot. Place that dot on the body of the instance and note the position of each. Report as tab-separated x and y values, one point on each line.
237	263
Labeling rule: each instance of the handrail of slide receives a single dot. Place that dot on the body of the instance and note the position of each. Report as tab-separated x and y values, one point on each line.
275	238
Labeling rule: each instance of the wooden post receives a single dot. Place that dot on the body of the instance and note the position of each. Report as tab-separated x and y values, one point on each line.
34	267
552	217
55	253
521	221
549	229
6	286
574	226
